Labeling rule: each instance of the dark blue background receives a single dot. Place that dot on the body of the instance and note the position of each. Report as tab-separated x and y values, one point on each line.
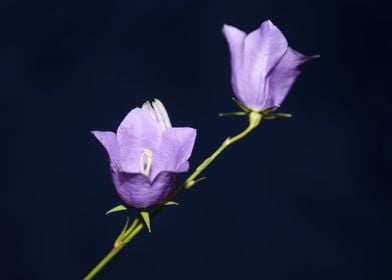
305	198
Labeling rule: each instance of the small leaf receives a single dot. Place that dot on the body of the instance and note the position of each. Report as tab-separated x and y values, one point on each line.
117	209
168	203
146	218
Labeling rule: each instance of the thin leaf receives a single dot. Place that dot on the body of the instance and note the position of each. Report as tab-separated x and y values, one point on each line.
117	209
146	218
283	115
232	114
168	203
242	106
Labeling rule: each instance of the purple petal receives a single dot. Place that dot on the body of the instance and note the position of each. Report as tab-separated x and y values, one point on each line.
136	190
183	167
109	140
264	47
180	142
138	131
252	59
173	150
235	39
283	76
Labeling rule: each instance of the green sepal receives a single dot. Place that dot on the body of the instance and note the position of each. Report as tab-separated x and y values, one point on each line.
190	184
242	106
232	114
169	203
268	110
283	115
272	116
117	209
269	117
146	218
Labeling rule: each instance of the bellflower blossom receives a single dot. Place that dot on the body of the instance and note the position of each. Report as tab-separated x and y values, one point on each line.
146	154
263	66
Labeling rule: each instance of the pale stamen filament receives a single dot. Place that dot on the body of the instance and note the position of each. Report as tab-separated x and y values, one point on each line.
158	112
161	113
146	162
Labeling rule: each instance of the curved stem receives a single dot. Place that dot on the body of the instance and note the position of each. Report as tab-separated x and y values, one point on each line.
254	121
137	226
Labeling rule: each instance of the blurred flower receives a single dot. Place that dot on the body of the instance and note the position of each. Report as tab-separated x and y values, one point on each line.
263	66
146	154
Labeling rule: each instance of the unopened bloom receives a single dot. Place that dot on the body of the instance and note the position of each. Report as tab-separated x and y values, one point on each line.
146	153
263	66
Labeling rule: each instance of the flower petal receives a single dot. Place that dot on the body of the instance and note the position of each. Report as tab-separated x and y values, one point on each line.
173	150
263	49
180	140
138	131
235	39
252	58
109	140
282	77
136	190
183	167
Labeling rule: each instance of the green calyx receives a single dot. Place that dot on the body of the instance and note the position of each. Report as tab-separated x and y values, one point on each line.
144	216
253	114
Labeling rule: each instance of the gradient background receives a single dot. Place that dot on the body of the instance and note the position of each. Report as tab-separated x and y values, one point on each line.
306	198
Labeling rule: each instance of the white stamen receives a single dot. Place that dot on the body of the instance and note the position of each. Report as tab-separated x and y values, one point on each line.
158	106
148	108
145	167
158	115
158	111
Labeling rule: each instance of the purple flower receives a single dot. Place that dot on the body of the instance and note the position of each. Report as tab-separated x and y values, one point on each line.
146	153
263	66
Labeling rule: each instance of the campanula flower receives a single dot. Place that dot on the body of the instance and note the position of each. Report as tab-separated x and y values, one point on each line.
146	154
263	66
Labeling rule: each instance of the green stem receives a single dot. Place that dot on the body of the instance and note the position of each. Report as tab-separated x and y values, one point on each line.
129	235
103	262
254	121
137	226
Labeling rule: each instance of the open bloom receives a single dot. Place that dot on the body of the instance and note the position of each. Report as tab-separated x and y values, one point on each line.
146	153
263	66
